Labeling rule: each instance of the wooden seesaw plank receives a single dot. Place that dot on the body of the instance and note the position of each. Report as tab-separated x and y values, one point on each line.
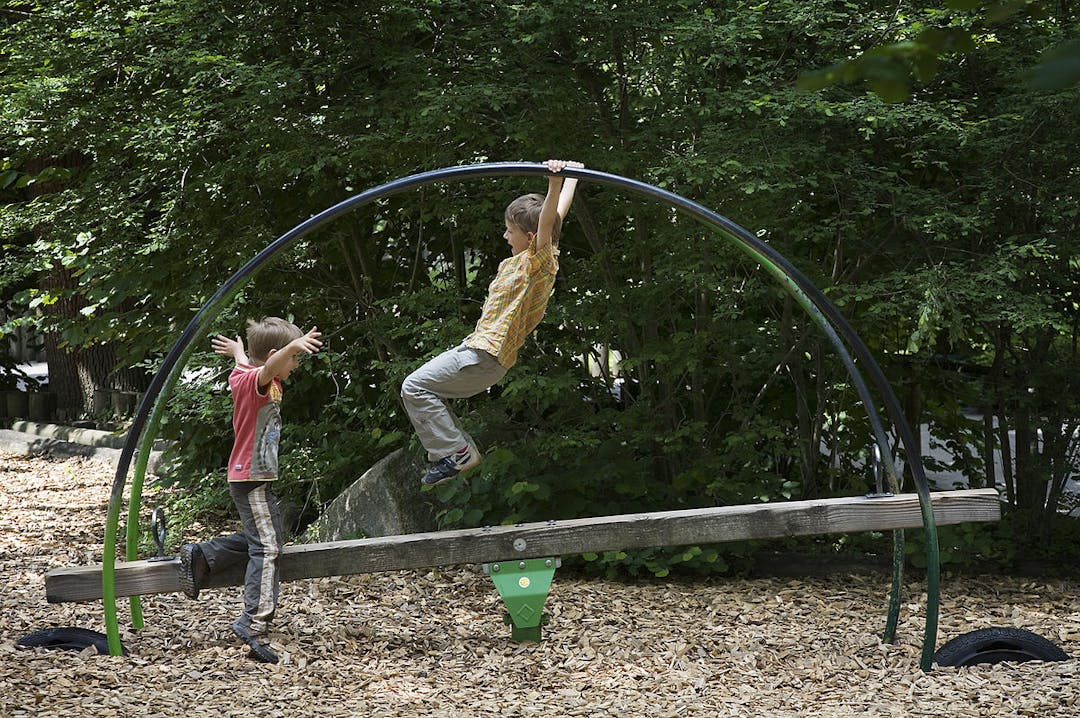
554	538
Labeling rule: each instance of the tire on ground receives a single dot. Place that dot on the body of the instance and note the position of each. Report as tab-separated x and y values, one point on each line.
993	645
71	639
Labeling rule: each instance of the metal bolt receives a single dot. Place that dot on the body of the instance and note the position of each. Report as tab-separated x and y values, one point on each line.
522	565
495	567
548	563
520	544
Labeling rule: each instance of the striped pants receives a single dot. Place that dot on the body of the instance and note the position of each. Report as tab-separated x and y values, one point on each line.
259	544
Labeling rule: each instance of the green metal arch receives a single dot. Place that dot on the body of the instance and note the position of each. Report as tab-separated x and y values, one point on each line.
831	321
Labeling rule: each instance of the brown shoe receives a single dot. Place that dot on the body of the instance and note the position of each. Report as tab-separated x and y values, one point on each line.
193	570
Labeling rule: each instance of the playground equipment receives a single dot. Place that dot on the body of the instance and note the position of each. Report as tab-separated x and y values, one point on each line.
878	511
522	559
541	540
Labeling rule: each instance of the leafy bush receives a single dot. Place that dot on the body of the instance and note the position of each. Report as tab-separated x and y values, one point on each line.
1019	542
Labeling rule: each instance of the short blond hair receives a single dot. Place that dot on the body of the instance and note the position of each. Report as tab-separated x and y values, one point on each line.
268	334
524	213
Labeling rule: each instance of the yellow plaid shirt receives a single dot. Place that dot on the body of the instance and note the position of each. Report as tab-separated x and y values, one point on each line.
516	302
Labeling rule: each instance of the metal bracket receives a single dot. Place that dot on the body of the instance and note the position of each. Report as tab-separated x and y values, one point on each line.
158	524
523	586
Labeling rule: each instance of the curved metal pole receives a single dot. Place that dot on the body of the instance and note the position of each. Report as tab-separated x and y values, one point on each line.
893	614
765	254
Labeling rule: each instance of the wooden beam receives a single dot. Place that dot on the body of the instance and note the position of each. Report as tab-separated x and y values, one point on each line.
554	538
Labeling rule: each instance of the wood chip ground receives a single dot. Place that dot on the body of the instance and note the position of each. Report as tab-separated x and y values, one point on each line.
433	643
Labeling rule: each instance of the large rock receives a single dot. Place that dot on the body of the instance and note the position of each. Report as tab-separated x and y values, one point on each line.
385	501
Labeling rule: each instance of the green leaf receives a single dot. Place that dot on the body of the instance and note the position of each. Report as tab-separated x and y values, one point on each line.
1001	11
524	487
818	79
1058	69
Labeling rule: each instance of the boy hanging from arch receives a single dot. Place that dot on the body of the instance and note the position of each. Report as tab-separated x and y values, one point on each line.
515	304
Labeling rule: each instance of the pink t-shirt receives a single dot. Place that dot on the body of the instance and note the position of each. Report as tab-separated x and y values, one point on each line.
256	426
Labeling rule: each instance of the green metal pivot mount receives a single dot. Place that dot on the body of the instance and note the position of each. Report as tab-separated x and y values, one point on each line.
524	587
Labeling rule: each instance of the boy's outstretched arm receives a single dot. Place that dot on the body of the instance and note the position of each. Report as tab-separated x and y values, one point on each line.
566	194
230	347
557	202
278	363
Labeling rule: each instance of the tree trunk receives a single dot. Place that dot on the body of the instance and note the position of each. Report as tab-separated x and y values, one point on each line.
74	374
989	473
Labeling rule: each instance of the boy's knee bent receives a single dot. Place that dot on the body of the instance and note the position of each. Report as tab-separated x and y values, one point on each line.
411	388
265	552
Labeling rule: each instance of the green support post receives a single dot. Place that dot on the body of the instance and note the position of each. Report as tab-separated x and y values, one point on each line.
524	586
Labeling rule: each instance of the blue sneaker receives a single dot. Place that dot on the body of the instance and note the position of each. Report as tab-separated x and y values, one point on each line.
451	466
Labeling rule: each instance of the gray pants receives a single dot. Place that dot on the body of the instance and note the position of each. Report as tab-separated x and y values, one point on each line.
259	545
457	373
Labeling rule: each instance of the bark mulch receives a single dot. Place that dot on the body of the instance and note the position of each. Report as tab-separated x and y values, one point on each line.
432	643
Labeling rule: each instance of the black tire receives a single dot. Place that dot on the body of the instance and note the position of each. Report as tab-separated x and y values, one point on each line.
993	645
70	639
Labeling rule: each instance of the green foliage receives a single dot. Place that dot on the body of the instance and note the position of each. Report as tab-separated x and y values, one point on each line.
1006	546
665	561
1058	68
961	545
194	511
165	145
197	426
929	35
